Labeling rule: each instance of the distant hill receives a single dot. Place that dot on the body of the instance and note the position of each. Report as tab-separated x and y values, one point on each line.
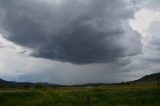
149	78
4	83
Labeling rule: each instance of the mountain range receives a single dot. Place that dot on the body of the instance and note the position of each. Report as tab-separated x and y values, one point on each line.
4	83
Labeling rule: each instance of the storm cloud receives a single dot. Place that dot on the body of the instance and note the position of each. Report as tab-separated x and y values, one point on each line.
76	31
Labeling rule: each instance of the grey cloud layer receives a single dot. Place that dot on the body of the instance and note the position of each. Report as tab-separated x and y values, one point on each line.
76	31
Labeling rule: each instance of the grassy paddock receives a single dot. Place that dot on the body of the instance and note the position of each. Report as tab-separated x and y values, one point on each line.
117	95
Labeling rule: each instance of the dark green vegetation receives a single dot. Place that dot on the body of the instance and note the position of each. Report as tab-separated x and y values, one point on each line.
142	92
118	95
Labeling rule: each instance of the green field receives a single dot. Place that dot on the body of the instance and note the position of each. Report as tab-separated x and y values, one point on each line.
117	95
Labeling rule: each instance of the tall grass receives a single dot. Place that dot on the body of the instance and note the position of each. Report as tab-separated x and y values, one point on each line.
126	95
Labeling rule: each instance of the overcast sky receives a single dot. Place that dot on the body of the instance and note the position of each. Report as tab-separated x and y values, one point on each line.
79	41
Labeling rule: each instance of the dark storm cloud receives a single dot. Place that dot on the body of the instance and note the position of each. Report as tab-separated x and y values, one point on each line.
76	31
